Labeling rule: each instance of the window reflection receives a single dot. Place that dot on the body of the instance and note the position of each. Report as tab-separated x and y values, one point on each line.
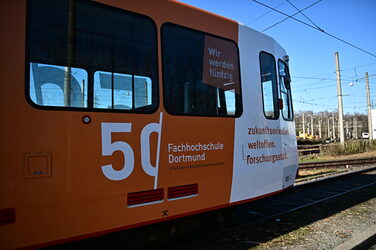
201	73
285	90
269	85
48	86
112	54
121	91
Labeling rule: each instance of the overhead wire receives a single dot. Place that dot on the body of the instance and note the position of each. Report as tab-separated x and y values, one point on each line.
334	106
328	73
301	12
288	16
359	66
315	104
257	18
310	89
308	99
324	80
313	27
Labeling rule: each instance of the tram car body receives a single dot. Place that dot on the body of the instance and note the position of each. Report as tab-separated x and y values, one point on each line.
117	114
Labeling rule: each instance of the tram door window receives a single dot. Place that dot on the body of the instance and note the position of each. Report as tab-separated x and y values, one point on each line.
82	54
200	72
269	85
285	90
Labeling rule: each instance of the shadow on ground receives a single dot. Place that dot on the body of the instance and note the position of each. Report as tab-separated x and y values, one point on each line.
243	226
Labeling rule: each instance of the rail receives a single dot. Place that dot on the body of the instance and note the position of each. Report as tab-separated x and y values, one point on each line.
337	163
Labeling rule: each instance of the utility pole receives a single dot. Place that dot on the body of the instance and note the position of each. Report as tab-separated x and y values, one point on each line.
347	129
319	127
355	128
308	128
328	135
340	103
369	109
303	124
313	134
334	128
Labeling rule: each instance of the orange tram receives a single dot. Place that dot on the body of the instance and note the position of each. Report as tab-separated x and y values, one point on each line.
115	111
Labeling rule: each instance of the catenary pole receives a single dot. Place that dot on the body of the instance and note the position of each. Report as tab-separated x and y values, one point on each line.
340	102
347	128
369	109
319	127
334	127
303	124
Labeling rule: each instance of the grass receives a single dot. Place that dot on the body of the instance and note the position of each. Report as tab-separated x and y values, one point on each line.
311	158
351	149
311	172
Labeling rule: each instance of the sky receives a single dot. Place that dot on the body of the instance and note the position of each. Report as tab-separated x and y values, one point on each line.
311	52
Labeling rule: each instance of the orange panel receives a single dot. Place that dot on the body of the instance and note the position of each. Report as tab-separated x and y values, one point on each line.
77	199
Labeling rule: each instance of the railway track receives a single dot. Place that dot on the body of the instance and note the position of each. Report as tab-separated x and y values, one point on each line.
338	163
316	171
262	213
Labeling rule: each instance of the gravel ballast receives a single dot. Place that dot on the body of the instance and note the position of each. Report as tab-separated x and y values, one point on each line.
344	219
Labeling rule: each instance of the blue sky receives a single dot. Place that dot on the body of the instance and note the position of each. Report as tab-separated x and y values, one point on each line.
311	52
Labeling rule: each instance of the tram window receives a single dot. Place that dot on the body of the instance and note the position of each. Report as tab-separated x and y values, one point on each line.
201	73
121	91
47	84
285	89
111	55
269	85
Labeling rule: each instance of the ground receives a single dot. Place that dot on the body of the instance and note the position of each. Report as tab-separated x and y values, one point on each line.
329	232
341	157
326	225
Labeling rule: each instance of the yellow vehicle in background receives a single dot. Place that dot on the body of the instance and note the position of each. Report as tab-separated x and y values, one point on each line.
305	136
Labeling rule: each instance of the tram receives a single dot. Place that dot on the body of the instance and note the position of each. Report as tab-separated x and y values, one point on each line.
117	114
